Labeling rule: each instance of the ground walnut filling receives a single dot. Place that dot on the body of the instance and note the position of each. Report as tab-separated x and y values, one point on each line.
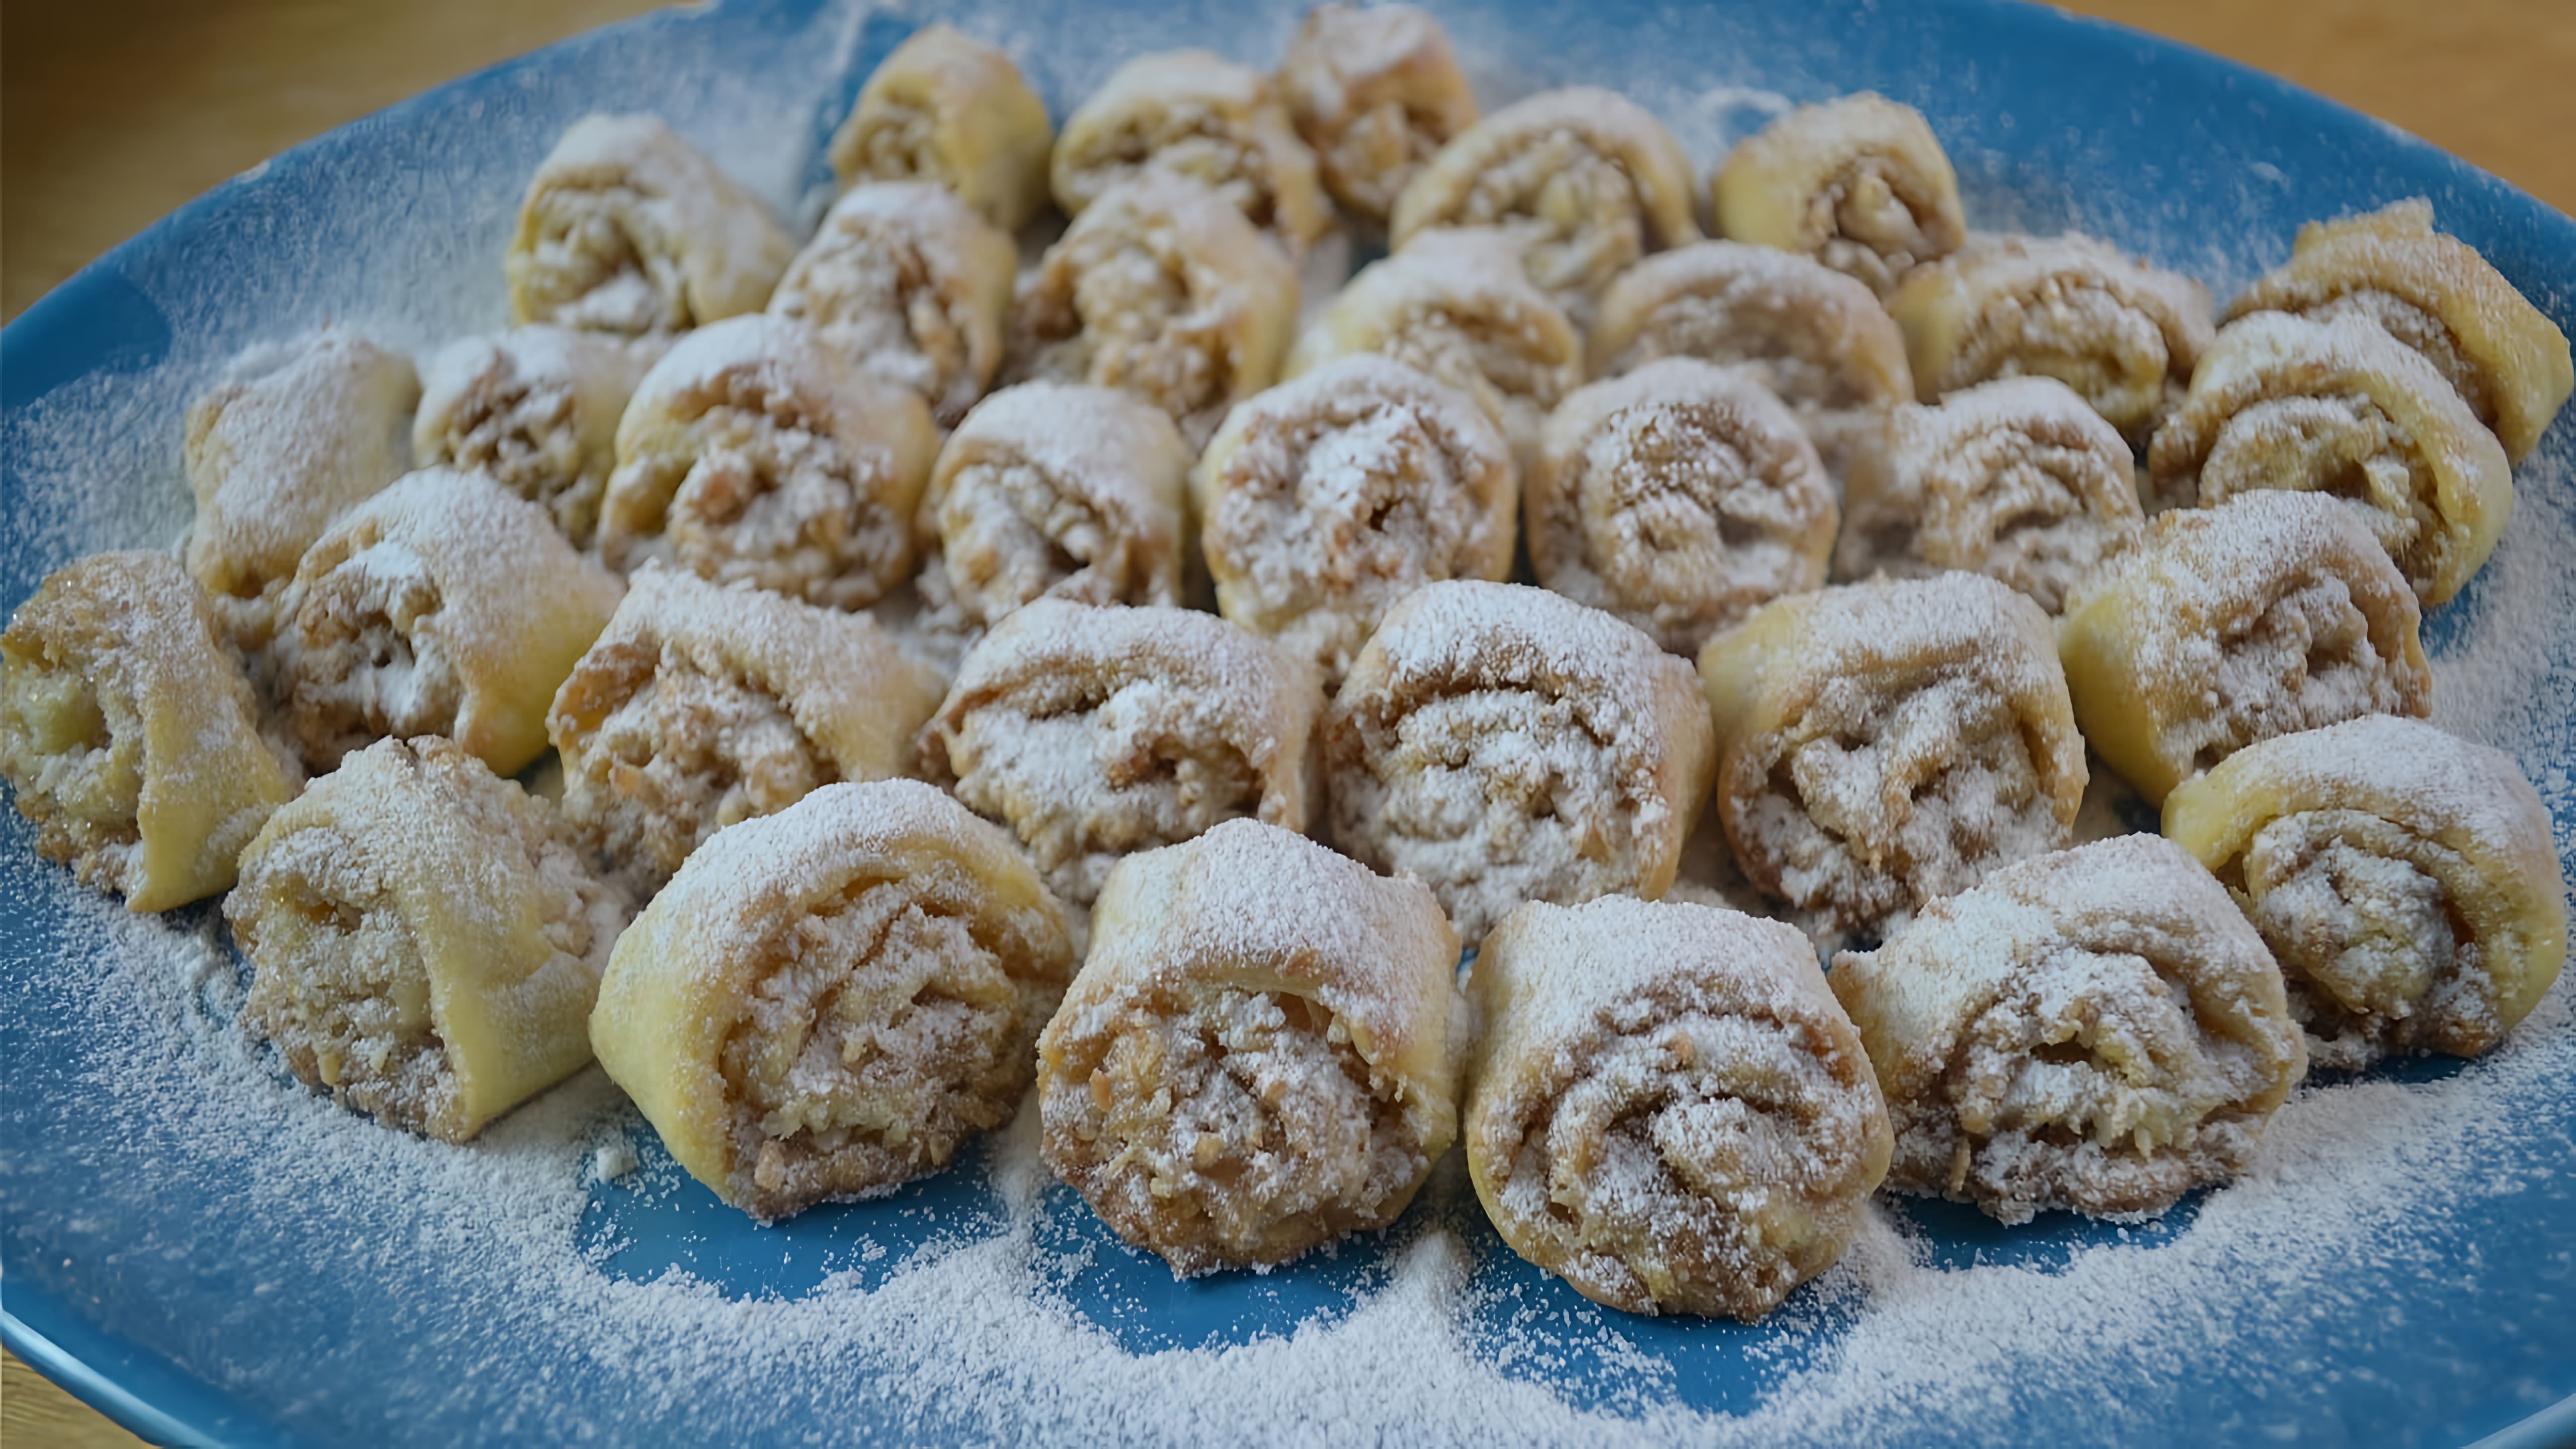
2083	335
1578	211
682	756
356	665
900	142
783	509
1198	143
78	771
1115	309
524	436
1236	1126
2423	332
587	271
2306	660
883	1035
1011	533
2376	959
2343	446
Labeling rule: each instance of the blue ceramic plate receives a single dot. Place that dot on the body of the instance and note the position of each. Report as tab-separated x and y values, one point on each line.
207	1252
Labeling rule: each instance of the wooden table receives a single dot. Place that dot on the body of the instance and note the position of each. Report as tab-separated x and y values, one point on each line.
113	112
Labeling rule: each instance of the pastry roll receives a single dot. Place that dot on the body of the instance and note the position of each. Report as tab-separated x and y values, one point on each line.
702	705
2016	479
1668	1108
1162	290
909	285
1860	184
1680	497
1323	501
1255	1059
1376	92
1059	490
1094	733
2405	879
629	229
753	453
2123	334
1882	745
950	110
445	605
423	946
825	1003
130	736
297	437
2221	627
1194	114
536	409
2434	293
2097	1029
1584	181
2343	409
1455	305
1812	335
1503	744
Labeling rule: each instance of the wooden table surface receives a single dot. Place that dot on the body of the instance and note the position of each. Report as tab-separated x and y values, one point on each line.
114	112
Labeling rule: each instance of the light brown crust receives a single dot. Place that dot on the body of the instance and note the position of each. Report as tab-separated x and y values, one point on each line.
1859	183
948	109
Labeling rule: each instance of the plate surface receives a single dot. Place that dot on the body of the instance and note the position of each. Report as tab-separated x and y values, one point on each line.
208	1252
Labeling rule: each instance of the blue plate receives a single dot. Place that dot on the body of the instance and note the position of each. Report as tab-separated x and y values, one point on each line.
206	1252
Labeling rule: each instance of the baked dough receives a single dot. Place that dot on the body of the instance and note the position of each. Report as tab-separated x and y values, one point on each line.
1376	92
909	285
1860	184
445	605
2221	627
1680	497
629	229
2343	409
1883	745
2405	879
703	704
423	946
129	734
1323	501
1256	1058
754	453
536	409
826	1002
1503	744
1094	733
1058	490
1197	115
2096	1029
948	109
1668	1108
2434	293
2017	479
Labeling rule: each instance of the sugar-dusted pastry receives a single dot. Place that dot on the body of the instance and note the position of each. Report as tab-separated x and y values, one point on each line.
2123	334
2017	479
1160	289
445	605
1094	733
911	286
2096	1029
2434	293
1195	114
948	109
1584	181
1860	184
1456	305
1883	745
536	408
754	453
1814	336
423	946
826	1002
627	228
2405	879
1326	499
1504	744
1376	92
1680	497
2221	627
1667	1108
2343	409
1256	1058
296	437
704	704
1058	490
129	735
